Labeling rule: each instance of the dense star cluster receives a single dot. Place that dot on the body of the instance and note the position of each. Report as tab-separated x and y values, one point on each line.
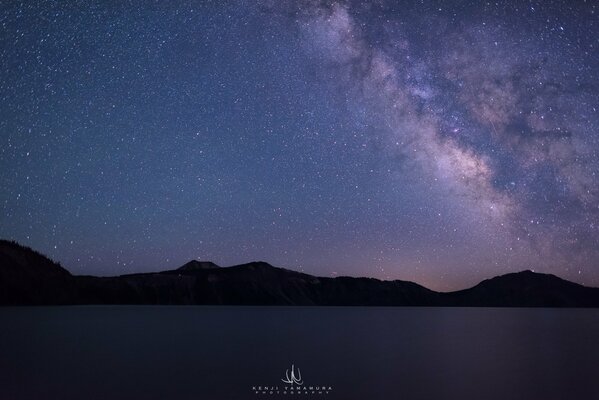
442	142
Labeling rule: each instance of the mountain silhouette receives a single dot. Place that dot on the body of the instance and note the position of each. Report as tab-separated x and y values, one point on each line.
195	265
526	289
28	278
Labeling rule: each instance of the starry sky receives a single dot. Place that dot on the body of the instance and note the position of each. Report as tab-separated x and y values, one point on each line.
442	142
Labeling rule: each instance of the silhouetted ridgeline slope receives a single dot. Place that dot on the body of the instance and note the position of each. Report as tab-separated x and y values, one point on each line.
27	277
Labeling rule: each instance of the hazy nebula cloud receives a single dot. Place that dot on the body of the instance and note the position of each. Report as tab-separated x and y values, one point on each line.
465	173
533	165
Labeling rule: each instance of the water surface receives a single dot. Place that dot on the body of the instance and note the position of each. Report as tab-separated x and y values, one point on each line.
200	352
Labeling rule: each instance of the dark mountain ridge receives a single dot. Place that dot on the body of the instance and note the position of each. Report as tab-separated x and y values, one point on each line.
195	265
28	278
527	289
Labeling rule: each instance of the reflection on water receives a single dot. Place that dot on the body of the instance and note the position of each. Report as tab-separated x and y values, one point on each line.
196	352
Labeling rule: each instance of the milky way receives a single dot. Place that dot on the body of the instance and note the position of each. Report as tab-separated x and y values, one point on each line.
439	142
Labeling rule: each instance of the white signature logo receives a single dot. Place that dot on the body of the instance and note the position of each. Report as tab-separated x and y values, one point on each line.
297	379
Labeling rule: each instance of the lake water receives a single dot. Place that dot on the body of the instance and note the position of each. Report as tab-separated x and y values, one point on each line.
198	352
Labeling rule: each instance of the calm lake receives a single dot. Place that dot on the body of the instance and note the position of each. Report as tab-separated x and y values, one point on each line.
205	352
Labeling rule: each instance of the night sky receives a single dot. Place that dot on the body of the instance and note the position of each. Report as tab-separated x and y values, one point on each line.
438	142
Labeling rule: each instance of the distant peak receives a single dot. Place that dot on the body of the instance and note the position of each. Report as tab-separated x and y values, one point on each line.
256	265
195	265
528	272
525	272
521	276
